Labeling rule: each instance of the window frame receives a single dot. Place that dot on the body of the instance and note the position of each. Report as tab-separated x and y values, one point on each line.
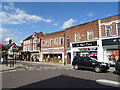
43	43
75	37
109	31
89	34
51	44
47	42
61	39
55	42
117	28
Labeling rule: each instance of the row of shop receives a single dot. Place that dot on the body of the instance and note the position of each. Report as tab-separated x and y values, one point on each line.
103	49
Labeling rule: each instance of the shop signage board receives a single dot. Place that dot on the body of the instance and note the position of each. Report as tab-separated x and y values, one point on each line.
94	43
113	41
14	48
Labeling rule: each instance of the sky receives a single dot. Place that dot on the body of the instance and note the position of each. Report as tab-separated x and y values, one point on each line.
21	19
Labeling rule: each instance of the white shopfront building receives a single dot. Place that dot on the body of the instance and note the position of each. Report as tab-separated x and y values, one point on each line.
103	49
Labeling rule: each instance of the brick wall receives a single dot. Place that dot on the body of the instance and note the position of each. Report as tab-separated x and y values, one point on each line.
82	29
52	36
109	21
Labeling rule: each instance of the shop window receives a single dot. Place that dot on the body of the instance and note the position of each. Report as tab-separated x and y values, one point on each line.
56	41
118	28
108	30
90	34
77	37
51	42
61	41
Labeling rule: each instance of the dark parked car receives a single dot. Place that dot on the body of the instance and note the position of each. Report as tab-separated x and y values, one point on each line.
117	66
89	63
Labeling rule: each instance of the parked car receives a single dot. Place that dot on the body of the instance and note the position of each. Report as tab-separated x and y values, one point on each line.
89	63
117	66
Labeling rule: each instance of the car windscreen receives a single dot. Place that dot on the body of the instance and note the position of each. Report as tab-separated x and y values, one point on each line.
93	59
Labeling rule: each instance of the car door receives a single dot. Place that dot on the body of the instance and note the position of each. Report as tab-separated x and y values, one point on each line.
87	62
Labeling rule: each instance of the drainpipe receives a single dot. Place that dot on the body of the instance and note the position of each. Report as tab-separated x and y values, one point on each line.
64	50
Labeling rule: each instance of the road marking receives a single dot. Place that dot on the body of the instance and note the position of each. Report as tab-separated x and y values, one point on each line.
108	82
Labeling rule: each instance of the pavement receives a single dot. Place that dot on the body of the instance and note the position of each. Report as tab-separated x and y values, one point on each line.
3	67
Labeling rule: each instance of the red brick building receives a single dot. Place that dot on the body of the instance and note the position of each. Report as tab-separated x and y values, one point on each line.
52	47
109	29
84	39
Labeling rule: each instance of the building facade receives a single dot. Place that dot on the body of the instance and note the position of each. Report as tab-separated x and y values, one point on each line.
99	39
84	39
31	47
110	38
52	47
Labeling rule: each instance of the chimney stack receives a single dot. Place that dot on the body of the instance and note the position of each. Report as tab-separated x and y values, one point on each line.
10	41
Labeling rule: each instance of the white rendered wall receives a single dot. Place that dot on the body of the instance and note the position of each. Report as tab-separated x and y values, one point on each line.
100	50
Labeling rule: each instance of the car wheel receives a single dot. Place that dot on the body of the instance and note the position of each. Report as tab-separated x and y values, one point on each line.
98	69
76	67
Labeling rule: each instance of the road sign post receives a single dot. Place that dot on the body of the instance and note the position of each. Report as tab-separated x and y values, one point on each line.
14	49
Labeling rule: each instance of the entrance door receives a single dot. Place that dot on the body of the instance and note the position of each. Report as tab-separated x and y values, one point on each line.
69	58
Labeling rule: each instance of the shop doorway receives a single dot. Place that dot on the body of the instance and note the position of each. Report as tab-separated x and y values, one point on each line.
69	58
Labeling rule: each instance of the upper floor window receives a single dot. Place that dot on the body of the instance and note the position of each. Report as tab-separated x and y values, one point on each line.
61	40
56	41
118	28
90	34
68	41
43	43
108	30
51	42
47	42
76	37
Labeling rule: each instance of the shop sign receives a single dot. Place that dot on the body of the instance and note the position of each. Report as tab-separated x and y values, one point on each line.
113	41
64	51
85	44
14	48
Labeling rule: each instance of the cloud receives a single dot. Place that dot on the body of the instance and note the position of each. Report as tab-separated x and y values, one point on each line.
55	24
7	39
13	15
68	23
5	35
90	14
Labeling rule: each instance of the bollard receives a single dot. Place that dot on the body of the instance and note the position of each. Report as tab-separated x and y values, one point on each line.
6	63
10	64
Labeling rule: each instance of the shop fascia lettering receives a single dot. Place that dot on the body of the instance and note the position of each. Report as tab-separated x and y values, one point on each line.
85	44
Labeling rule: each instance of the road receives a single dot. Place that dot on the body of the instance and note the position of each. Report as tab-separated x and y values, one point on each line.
53	76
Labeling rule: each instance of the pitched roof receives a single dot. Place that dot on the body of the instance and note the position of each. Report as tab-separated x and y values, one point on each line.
30	37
